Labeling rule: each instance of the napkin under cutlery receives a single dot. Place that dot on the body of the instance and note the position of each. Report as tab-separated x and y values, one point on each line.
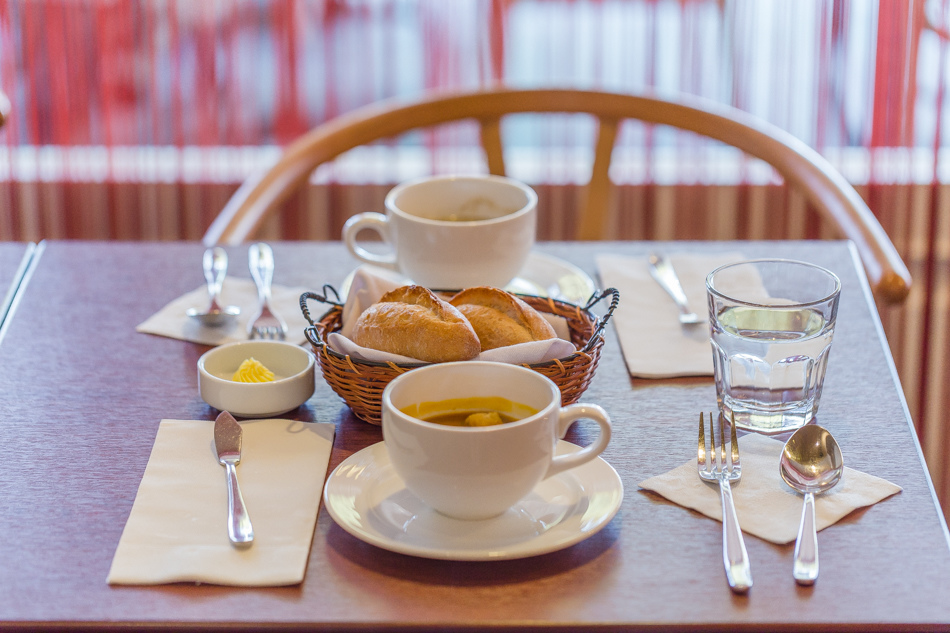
171	320
177	530
368	286
654	343
766	506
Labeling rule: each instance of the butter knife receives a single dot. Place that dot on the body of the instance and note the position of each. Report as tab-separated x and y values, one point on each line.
227	443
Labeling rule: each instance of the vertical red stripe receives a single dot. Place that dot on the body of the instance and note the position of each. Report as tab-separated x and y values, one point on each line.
205	80
175	80
931	262
890	74
33	63
58	86
288	123
497	30
158	128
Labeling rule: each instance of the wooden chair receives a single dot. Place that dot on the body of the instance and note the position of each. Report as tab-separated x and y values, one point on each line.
823	186
5	108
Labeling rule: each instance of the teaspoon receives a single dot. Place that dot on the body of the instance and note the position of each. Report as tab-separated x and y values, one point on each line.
811	463
215	264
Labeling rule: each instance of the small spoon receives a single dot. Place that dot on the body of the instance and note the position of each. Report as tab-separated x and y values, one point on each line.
215	264
811	463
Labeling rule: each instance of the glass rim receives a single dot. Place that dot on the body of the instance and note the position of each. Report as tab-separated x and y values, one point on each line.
772	260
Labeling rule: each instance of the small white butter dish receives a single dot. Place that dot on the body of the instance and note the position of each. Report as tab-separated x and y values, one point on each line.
293	383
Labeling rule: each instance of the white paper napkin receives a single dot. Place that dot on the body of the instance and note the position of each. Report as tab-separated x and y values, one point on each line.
654	343
171	320
177	530
765	505
368	286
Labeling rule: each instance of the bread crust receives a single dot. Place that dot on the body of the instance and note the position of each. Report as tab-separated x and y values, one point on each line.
500	318
411	321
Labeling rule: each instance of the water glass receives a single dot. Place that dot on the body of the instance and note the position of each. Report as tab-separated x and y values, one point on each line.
771	322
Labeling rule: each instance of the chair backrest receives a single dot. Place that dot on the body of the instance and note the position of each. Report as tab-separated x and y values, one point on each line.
5	108
801	166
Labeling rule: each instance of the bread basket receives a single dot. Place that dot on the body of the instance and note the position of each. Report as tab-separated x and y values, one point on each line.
361	383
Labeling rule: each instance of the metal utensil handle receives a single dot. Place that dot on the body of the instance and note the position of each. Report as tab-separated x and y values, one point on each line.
239	523
662	271
215	265
805	569
261	262
734	555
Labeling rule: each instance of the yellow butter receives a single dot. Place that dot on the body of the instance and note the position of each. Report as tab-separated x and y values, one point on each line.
251	370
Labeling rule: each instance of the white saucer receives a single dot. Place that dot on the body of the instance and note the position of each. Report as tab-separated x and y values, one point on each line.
542	275
366	497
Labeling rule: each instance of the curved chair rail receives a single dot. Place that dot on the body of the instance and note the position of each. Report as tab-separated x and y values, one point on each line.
821	184
5	108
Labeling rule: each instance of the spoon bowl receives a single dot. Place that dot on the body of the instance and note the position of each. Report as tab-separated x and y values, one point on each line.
215	265
811	463
214	316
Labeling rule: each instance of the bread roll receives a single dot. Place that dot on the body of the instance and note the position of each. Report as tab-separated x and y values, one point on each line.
501	319
411	321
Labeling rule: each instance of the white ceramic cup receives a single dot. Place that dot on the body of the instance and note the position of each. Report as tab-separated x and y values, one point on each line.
452	232
480	472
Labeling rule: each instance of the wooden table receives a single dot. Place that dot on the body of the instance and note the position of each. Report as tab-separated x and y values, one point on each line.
83	395
15	261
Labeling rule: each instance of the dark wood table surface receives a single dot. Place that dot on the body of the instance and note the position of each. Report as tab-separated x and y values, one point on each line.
15	259
83	395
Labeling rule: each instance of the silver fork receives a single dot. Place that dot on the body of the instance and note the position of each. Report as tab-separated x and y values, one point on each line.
661	269
267	323
734	555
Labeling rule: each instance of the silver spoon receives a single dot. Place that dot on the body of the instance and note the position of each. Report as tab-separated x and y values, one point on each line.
811	463
215	264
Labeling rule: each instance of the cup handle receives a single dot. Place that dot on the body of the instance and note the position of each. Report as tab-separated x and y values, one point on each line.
375	222
566	418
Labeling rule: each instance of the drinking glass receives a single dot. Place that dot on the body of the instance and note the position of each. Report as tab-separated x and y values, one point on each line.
772	323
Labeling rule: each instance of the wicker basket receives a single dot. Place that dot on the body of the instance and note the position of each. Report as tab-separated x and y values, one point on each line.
361	383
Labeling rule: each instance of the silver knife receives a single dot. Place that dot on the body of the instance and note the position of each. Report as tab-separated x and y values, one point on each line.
227	443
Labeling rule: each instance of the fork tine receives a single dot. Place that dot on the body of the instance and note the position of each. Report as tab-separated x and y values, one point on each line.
722	443
701	451
735	444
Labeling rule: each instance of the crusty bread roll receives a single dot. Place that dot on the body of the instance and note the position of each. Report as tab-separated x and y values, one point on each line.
411	321
501	319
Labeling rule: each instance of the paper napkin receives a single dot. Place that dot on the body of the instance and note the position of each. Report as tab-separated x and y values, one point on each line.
368	286
654	343
171	320
177	530
765	505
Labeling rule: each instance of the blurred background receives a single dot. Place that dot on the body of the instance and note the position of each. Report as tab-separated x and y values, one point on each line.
137	119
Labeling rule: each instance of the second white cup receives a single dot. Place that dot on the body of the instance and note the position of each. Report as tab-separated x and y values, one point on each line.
479	472
452	232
